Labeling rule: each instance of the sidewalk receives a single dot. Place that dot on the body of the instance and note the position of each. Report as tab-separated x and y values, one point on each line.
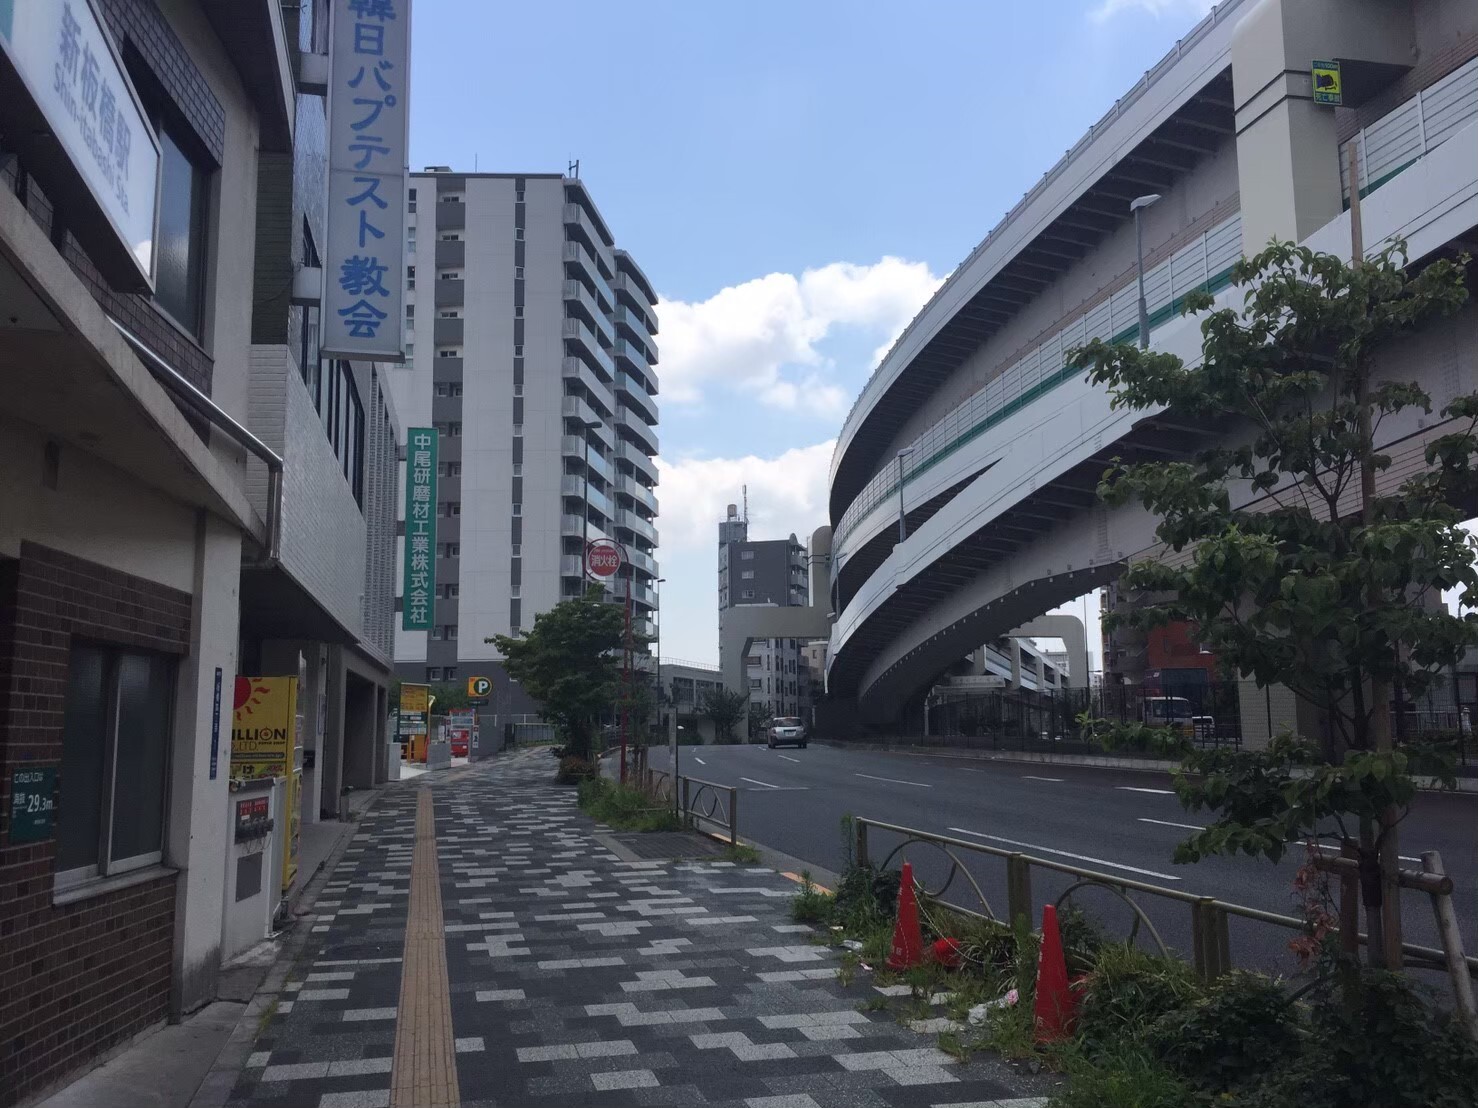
538	968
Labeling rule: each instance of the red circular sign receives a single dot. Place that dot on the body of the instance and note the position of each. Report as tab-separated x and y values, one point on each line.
603	558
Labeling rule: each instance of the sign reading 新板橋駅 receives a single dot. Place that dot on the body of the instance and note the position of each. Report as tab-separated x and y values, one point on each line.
364	264
263	727
1329	86
66	62
418	592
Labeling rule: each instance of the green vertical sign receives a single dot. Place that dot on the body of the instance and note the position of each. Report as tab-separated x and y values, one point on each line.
419	589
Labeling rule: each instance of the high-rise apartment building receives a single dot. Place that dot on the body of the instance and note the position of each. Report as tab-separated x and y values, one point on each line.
531	352
770	572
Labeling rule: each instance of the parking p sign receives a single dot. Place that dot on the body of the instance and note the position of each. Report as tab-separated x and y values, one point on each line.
479	686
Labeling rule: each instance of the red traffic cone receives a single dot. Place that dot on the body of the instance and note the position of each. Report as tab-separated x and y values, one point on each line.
908	940
1056	1006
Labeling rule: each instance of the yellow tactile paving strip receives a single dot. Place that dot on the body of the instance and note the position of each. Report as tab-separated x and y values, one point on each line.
424	1072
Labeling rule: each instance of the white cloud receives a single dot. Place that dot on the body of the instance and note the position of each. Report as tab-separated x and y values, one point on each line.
1108	9
761	337
787	494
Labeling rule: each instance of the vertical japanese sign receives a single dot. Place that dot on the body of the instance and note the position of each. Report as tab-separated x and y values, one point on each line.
364	267
419	589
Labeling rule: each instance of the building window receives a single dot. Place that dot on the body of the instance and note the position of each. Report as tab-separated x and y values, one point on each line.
518	196
449	632
518	311
435	633
518	233
747	594
450	673
517	510
518	389
449	549
746	555
411	201
747	575
517	550
410	276
115	761
518	350
518	430
518	273
179	255
433	673
518	469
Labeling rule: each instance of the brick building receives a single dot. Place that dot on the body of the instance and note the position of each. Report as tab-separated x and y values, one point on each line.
161	195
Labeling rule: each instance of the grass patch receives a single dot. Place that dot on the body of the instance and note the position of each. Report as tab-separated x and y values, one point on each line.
741	854
624	808
811	905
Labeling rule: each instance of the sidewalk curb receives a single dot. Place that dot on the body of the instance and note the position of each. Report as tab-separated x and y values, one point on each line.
215	1090
1142	765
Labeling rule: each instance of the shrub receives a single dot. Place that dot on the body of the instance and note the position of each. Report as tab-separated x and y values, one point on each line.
866	896
1126	992
624	808
1242	1027
1392	1050
1142	738
573	770
810	905
1124	1079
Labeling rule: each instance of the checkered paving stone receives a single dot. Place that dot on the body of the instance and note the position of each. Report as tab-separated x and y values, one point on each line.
576	977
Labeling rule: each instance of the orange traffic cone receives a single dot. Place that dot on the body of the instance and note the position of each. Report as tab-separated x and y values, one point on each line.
908	940
1056	1006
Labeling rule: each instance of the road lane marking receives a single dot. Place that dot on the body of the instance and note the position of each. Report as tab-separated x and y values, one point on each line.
788	758
1029	777
1066	854
1168	823
766	784
894	781
1136	789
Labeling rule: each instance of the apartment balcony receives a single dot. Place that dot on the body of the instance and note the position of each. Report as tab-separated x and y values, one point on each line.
634	329
451	215
575	407
580	304
633	358
576	254
574	527
448	332
451	292
637	491
584	490
642	322
575	370
580	340
636	525
580	227
573	446
630	288
633	393
638	428
639	460
642	562
571	565
639	593
451	255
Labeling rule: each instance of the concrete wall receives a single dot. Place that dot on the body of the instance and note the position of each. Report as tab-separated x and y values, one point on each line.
323	528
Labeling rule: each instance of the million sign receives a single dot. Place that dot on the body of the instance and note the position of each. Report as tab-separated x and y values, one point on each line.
262	726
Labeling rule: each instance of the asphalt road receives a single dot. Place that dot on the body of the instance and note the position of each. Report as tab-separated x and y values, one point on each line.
1121	822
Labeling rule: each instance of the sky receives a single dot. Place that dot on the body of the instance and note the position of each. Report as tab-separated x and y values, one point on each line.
795	178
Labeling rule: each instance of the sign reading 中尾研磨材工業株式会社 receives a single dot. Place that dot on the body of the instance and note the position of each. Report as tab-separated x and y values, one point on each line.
418	591
363	312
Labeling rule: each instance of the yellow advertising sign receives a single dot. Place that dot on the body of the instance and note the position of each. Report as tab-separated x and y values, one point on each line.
415	708
263	727
1329	85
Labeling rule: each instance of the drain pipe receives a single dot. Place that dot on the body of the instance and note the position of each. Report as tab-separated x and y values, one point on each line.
218	417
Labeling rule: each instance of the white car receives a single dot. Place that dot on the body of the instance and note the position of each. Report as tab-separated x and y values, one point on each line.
786	729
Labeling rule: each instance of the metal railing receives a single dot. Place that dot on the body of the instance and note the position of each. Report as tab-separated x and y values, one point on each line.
1210	918
702	805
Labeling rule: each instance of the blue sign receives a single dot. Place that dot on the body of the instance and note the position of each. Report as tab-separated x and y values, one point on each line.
215	728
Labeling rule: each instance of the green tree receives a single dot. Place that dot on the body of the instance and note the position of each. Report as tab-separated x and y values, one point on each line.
725	709
570	661
1279	549
759	719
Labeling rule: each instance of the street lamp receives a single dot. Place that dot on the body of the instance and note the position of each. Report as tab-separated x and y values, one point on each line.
1136	206
587	426
902	520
